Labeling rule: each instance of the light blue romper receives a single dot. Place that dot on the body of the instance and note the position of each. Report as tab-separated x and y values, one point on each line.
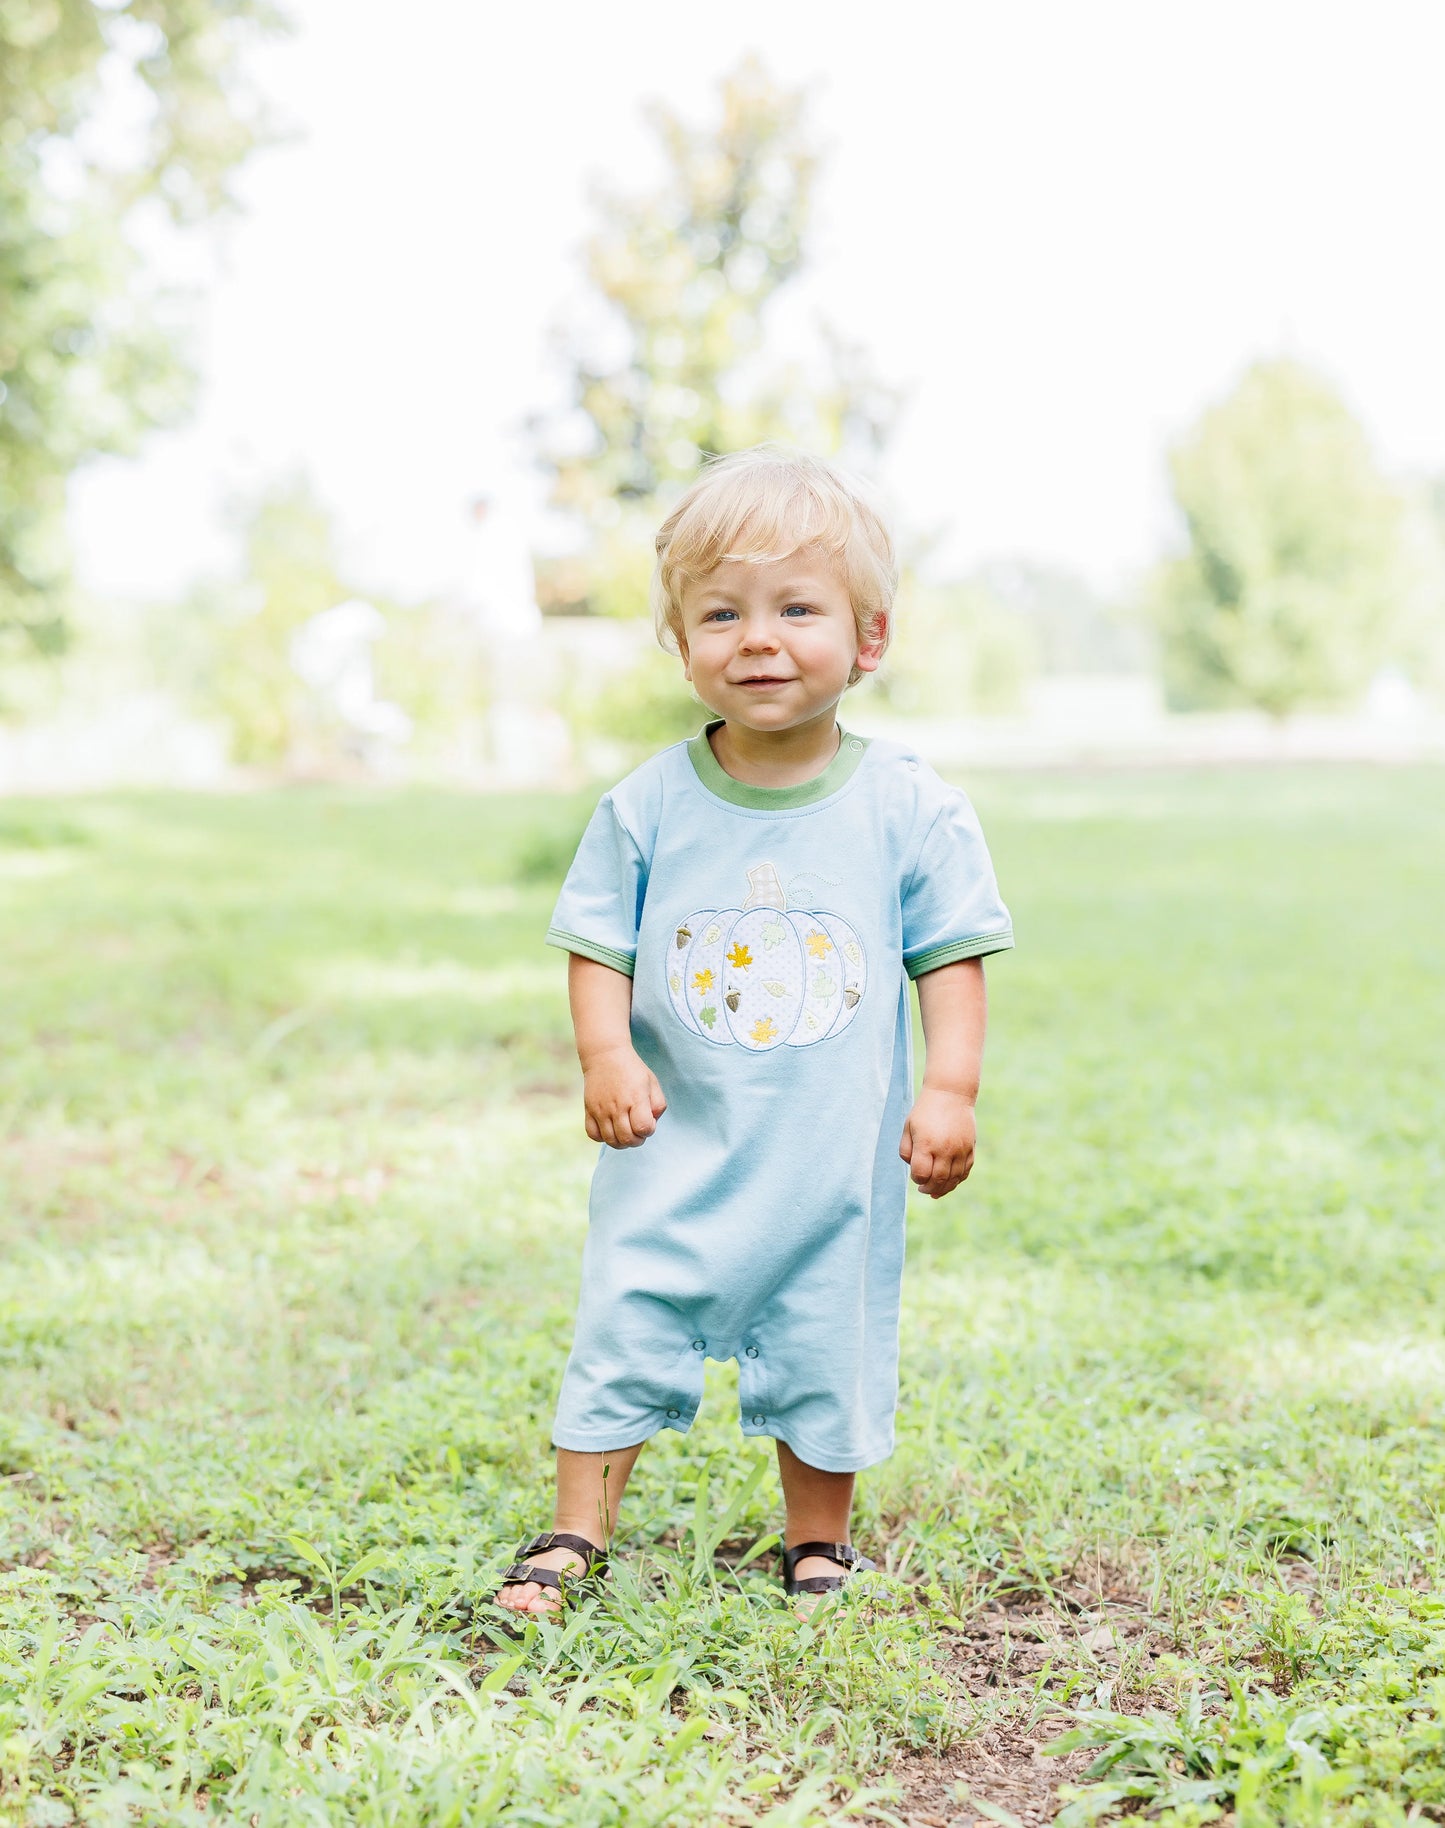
767	932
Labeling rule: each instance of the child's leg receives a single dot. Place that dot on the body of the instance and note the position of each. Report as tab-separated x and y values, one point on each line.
819	1509
589	1490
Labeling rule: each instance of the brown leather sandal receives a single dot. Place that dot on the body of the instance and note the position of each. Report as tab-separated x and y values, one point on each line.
842	1552
568	1585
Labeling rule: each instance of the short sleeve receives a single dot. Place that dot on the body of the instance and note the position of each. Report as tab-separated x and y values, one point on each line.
600	907
951	905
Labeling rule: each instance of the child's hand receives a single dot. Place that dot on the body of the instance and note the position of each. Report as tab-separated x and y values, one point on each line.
939	1137
622	1098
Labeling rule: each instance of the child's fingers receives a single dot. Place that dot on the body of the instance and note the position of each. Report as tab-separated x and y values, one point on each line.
936	1172
626	1127
937	1168
612	1125
953	1173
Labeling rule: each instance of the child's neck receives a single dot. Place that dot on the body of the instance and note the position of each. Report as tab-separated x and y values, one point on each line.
777	758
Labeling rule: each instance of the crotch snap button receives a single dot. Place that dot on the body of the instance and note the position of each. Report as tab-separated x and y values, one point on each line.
673	1414
751	1352
699	1345
758	1421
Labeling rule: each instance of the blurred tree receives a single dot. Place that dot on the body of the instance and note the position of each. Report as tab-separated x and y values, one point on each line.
635	710
290	573
676	368
226	648
1073	629
957	648
1422	650
1289	592
109	110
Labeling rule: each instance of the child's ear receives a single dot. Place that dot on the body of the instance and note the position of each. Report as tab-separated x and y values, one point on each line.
870	651
683	655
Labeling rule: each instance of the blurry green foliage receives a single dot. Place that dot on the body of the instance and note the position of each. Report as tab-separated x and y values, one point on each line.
677	368
227	646
955	648
290	573
87	358
638	710
1072	628
1421	640
1289	592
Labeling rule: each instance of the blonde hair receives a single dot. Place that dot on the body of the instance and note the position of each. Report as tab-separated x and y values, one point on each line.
768	503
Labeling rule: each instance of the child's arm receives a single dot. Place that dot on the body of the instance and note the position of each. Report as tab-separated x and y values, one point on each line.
620	1093
939	1134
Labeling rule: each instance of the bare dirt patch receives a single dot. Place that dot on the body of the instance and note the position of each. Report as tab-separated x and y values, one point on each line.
1002	1766
1000	1661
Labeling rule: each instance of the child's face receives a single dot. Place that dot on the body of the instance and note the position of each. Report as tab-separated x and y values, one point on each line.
770	646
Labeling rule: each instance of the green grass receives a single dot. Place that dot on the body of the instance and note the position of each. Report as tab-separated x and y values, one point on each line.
293	1189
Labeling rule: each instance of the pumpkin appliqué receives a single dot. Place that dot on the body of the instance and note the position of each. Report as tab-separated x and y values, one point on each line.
766	975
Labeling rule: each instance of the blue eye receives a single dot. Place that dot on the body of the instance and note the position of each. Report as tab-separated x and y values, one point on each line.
720	615
798	609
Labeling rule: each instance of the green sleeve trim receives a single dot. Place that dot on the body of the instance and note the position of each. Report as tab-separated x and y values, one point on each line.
589	948
938	956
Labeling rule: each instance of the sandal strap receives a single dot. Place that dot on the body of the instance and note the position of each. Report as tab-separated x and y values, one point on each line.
522	1571
563	1539
842	1552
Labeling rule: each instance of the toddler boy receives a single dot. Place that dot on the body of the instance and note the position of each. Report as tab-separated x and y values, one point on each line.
742	916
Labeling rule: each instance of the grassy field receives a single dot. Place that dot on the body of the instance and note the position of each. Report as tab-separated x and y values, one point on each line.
293	1189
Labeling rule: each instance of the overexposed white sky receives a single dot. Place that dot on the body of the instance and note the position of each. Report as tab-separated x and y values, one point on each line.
1065	229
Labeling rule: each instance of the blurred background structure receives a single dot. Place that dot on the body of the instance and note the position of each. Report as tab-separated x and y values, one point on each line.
333	435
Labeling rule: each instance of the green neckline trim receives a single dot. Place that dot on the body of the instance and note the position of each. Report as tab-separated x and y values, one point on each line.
715	778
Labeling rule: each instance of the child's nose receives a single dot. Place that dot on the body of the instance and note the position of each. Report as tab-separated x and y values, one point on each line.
758	636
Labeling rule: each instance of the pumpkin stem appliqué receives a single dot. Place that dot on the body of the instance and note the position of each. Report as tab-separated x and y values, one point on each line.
793	1002
765	888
